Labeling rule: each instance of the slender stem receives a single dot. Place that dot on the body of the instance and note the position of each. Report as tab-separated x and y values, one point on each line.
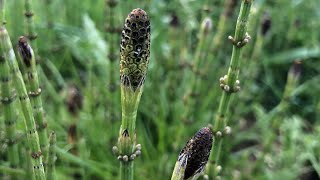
30	127
130	101
233	72
126	170
51	158
10	111
30	28
235	63
32	81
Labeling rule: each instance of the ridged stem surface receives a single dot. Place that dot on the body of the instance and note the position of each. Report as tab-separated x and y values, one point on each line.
233	72
30	126
33	87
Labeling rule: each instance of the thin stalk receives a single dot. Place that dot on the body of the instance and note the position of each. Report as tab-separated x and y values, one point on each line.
30	126
30	31
31	79
127	142
51	158
10	112
229	83
8	98
112	37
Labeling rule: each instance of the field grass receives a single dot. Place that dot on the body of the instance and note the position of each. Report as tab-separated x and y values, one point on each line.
274	118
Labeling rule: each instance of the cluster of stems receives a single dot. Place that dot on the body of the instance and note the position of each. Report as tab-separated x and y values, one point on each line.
30	126
28	67
229	83
8	97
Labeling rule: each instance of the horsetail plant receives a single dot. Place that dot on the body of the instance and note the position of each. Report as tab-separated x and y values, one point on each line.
29	70
194	156
229	82
30	28
112	32
7	98
30	126
134	59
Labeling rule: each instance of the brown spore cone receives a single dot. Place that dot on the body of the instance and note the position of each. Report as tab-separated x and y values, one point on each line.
135	49
196	152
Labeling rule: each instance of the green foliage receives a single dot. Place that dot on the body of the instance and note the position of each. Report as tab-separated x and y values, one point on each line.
275	132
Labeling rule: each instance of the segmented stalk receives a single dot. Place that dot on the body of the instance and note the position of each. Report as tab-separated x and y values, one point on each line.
51	157
29	70
112	36
10	111
30	31
194	156
134	59
7	99
229	83
30	127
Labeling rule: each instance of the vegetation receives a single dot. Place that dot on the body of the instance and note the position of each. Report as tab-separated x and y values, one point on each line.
63	103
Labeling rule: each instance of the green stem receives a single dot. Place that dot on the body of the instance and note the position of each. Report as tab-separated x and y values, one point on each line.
10	111
126	170
51	157
233	72
130	100
235	63
32	81
30	127
30	28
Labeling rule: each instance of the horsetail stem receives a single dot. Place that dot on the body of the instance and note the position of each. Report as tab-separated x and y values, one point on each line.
134	59
194	156
112	36
32	81
30	127
51	157
8	97
229	83
30	31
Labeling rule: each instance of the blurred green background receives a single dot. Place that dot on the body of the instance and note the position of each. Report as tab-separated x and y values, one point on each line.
275	121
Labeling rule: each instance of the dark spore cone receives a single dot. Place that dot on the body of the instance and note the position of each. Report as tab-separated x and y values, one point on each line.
25	51
135	49
197	151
